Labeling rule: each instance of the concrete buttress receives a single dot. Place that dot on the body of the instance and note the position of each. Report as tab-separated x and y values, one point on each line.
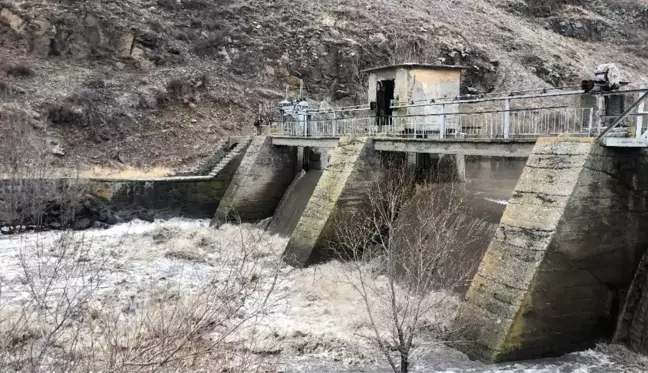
341	187
555	274
262	178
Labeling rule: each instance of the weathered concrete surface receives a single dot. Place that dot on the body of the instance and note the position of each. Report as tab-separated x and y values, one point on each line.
323	142
570	238
341	187
515	148
632	330
261	180
196	199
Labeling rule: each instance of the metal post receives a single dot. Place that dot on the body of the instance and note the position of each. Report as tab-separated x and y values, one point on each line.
599	111
334	124
507	117
591	121
640	111
442	125
566	123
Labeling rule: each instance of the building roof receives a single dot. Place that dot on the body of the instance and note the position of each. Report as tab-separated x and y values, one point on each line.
412	65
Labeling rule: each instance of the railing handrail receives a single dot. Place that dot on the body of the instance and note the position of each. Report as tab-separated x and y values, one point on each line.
452	101
519	123
447	114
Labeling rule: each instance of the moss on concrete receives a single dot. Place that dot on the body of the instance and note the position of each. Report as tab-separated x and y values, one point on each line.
341	177
566	247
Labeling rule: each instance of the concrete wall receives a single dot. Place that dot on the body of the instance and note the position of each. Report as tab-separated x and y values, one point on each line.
194	199
419	84
426	84
340	189
631	330
556	272
261	180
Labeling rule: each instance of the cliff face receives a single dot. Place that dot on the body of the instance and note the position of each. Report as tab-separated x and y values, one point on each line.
159	82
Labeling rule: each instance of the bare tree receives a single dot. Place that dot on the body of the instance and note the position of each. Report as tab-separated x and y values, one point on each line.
60	317
408	252
29	187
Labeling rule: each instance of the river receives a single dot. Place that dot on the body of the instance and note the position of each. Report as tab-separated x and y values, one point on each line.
316	322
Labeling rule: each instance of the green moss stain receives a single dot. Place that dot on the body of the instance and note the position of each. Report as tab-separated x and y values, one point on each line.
315	223
514	339
101	190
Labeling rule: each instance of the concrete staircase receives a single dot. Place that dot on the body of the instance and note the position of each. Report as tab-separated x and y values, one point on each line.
234	151
208	163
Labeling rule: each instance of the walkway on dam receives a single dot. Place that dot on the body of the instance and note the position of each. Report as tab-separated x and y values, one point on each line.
504	124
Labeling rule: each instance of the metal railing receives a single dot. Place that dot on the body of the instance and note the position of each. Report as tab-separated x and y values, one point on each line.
527	123
526	116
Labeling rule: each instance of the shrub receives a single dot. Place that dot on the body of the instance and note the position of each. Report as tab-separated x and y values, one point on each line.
20	71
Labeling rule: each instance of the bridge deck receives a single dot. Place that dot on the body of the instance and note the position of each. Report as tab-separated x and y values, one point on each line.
516	148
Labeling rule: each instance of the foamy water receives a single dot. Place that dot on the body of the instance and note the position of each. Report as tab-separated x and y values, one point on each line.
498	201
314	319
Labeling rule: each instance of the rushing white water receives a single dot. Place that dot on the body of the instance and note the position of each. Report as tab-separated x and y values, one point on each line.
498	201
315	320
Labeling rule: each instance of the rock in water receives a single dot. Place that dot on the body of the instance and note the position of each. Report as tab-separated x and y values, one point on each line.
81	224
145	216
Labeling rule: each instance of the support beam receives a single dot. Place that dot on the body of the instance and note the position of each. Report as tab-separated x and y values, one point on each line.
324	142
339	190
490	148
460	168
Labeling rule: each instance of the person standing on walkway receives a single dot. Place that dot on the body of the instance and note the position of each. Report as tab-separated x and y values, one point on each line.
257	124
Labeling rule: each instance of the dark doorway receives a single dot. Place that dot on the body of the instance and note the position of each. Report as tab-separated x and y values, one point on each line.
384	97
614	105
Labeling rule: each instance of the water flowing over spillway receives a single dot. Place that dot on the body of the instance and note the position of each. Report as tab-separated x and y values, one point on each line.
294	202
315	322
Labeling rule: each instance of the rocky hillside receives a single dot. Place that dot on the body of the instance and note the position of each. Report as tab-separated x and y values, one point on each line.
158	82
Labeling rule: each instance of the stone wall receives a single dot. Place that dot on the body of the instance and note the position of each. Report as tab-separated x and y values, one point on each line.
556	272
341	187
261	180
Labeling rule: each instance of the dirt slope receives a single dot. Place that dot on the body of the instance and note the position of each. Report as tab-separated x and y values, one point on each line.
157	83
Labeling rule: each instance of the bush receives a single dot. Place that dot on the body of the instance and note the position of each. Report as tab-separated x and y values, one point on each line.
65	114
20	71
31	193
184	89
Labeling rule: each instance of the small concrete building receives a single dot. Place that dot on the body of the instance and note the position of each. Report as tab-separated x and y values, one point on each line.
414	83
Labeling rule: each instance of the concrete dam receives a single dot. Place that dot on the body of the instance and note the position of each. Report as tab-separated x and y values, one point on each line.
560	189
565	246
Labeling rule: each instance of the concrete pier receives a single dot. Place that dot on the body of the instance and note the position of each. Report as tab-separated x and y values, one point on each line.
261	180
340	188
555	274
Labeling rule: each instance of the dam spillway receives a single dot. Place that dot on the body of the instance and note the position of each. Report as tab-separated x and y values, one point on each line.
290	209
344	174
588	204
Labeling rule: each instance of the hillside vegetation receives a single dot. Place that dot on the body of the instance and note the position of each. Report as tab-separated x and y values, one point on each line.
157	83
